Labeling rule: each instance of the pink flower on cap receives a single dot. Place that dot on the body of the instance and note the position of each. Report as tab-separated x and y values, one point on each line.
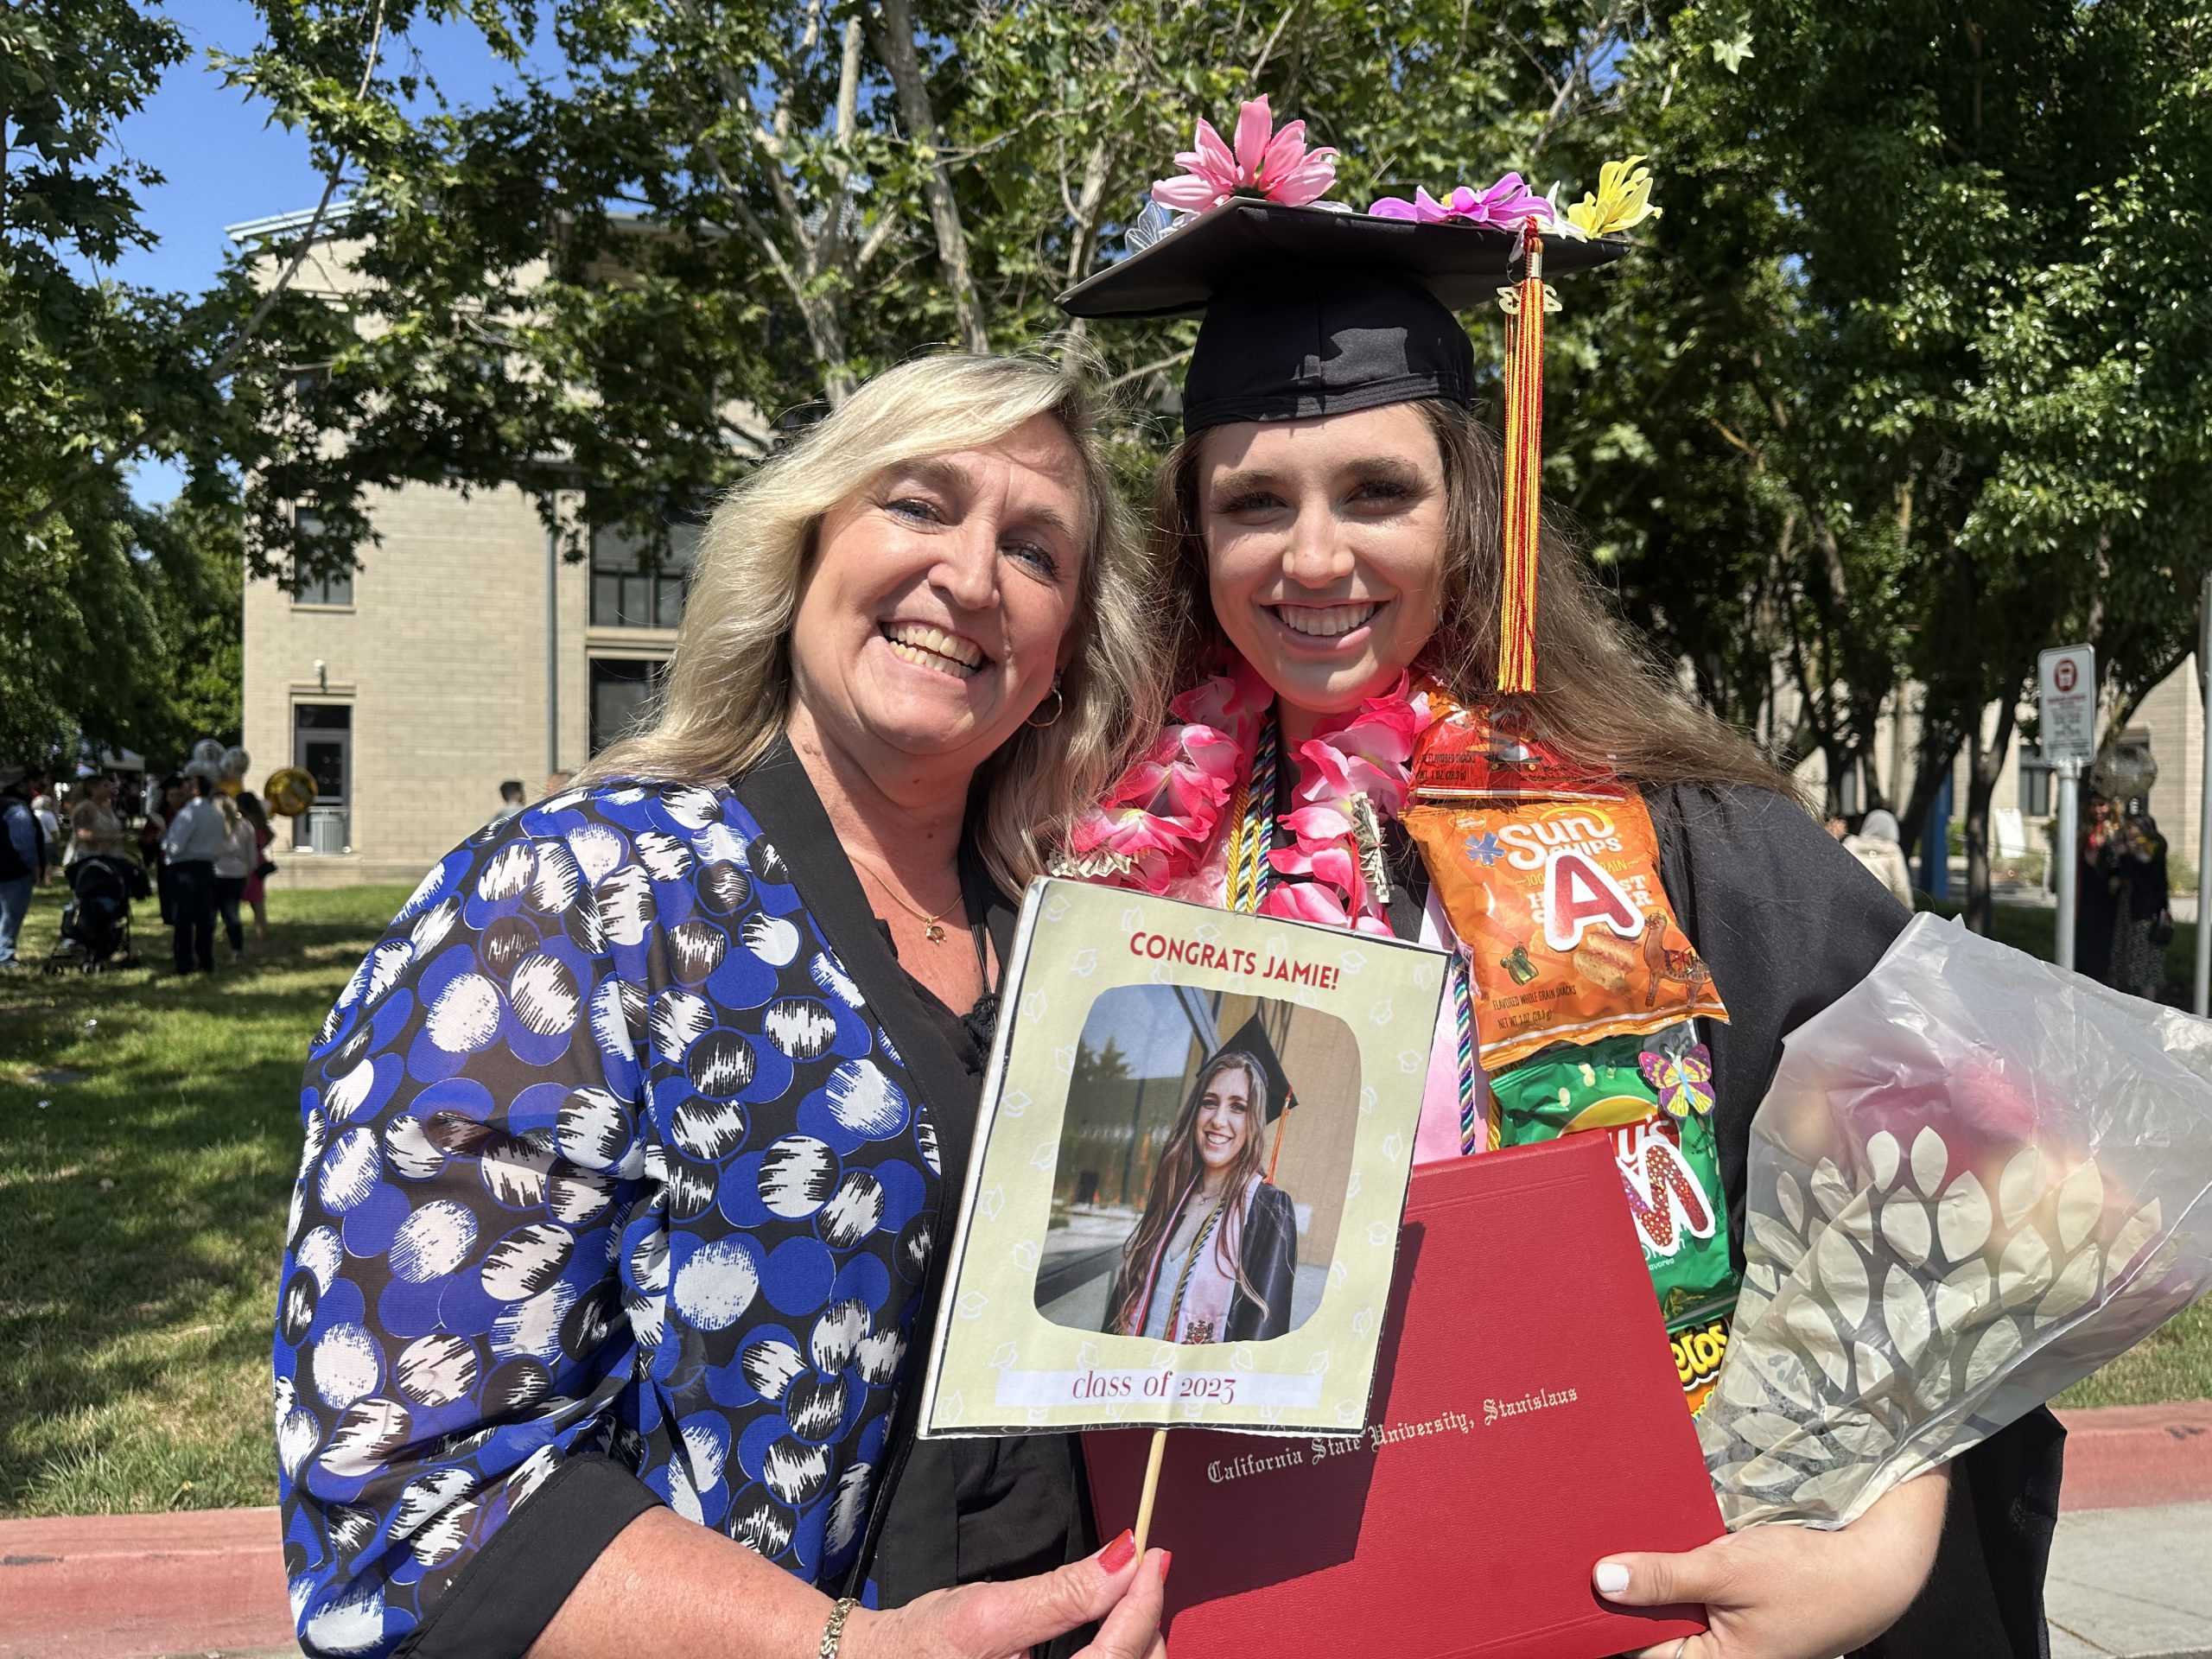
1272	165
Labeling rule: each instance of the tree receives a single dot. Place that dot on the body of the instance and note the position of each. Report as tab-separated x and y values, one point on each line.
1955	373
712	213
1094	1066
94	375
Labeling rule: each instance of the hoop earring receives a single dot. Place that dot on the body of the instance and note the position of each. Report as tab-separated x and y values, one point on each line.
1060	706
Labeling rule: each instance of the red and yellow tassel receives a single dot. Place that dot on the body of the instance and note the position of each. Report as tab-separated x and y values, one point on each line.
1524	306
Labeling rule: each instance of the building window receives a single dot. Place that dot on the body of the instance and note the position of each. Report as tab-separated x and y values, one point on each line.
2035	792
334	589
622	692
631	589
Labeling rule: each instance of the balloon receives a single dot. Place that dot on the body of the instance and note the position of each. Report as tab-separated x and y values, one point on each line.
207	754
235	764
289	791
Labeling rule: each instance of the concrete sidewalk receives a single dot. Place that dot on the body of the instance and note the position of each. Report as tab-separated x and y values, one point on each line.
2132	1582
2129	1575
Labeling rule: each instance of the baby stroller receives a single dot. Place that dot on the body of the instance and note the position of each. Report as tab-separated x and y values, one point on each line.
96	922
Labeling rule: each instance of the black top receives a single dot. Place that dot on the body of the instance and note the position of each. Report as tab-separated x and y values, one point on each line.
1015	1506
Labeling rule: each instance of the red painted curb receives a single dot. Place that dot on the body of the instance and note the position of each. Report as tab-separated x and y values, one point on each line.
135	1587
130	1586
2131	1456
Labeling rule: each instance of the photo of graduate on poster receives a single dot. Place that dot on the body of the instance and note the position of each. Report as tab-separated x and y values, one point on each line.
1174	1216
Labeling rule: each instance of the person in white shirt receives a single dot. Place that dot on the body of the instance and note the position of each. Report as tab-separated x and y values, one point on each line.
49	825
1877	847
196	837
232	866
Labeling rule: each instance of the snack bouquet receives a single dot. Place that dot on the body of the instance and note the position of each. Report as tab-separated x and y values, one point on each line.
1976	1178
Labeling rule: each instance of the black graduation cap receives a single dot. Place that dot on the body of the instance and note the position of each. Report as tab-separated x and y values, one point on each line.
1310	311
1251	1038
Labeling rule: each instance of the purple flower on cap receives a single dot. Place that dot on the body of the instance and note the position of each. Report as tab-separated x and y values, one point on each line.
1508	205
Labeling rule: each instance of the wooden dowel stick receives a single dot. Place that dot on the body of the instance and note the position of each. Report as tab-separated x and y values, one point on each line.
1151	1488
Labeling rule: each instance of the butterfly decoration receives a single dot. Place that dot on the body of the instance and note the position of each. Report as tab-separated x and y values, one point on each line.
1683	1082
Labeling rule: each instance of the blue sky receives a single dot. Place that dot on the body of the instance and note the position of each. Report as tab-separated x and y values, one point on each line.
224	161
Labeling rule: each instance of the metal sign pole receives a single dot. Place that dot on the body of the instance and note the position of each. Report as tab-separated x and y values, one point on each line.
2204	803
2065	853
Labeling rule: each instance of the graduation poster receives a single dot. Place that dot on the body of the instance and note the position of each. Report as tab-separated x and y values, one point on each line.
1190	1158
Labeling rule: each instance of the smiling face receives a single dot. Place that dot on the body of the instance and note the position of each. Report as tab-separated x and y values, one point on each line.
1325	548
1225	1120
938	605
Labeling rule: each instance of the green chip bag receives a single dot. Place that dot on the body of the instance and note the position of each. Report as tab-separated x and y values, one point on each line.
1653	1096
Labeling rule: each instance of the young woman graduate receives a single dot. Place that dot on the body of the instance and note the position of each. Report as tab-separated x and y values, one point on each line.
1214	1254
1330	530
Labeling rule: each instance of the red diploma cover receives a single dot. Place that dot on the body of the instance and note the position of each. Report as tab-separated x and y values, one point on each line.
1526	1420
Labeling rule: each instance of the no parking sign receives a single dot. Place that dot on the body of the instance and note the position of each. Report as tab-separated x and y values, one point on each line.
2067	679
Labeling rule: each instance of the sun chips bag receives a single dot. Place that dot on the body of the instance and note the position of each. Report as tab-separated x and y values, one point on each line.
1550	874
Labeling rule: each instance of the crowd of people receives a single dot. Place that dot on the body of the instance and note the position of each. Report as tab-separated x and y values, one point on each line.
204	849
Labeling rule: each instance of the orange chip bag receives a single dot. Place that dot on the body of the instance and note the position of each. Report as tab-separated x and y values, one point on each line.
1558	901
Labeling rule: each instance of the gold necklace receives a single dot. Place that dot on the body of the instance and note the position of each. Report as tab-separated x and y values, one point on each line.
932	926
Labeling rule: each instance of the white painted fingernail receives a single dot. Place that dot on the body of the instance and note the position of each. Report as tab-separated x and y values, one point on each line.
1612	1578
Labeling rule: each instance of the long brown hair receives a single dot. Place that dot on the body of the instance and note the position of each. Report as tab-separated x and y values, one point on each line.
1176	1175
1601	698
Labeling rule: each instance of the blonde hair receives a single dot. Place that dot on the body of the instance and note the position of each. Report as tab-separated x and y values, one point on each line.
1601	698
728	695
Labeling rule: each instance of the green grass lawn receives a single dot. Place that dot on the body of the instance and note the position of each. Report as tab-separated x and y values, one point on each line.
142	1208
142	1202
2033	929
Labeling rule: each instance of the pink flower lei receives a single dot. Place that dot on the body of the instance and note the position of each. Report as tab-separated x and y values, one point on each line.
1162	828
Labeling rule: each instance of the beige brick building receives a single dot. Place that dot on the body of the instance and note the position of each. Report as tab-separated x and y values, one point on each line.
465	652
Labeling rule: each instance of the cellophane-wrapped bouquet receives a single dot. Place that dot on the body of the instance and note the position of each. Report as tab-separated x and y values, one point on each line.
1977	1177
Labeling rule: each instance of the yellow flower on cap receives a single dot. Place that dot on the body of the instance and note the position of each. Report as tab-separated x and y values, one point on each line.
1623	200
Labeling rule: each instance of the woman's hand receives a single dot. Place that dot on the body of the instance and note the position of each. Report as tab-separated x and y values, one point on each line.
1791	1592
1004	1621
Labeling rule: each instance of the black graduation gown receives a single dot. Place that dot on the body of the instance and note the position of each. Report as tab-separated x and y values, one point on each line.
1788	921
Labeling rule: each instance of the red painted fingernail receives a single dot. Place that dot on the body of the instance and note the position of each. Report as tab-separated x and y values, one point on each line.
1166	1560
1118	1555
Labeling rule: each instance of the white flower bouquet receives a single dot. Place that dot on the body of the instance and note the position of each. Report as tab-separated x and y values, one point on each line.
1977	1177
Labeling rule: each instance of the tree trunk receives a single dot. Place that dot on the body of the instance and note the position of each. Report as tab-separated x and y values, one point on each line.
1866	744
1835	759
1985	762
895	45
1934	756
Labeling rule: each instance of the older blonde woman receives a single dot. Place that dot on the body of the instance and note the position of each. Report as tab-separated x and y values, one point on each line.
631	1148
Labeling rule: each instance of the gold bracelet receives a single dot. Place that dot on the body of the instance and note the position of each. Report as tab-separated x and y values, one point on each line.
833	1633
